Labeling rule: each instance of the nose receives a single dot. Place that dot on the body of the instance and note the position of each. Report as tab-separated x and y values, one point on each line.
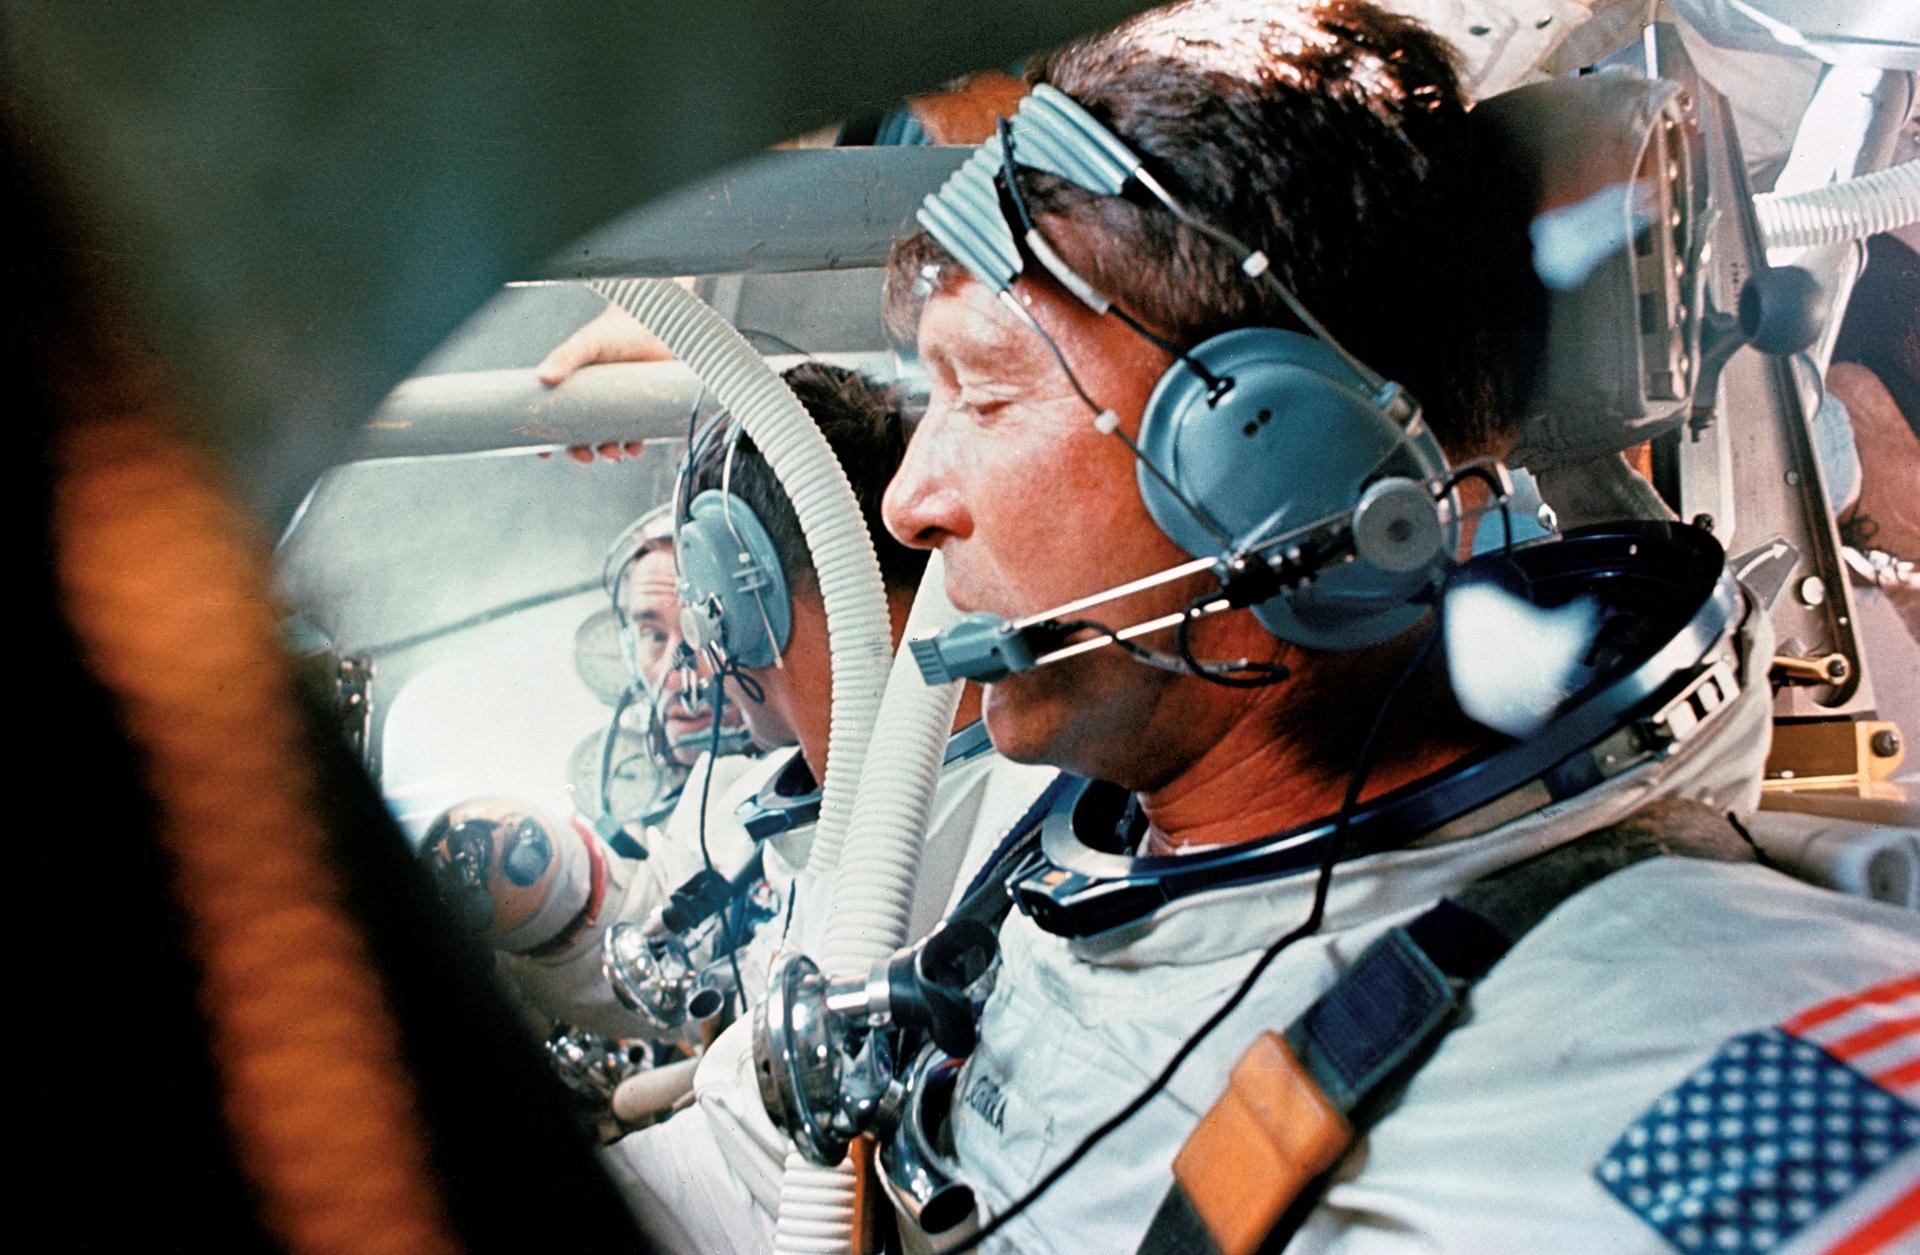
924	505
671	678
663	675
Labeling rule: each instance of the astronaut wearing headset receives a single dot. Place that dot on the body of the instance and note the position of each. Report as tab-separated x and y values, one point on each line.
545	889
730	817
1287	784
753	609
642	583
765	633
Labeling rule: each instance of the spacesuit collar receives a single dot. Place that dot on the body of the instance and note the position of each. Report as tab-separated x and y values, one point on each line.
1721	767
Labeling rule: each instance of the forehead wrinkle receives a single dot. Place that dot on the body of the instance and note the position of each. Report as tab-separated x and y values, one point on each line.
988	331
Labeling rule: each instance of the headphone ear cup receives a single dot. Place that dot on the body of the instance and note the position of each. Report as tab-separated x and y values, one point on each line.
1296	438
731	578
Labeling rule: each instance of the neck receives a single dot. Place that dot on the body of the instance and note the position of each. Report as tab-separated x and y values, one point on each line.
1289	759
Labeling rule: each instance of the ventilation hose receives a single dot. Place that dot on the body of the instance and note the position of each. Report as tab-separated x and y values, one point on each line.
817	1205
1840	212
859	632
873	889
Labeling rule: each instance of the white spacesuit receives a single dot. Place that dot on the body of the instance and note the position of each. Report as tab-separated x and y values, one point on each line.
709	1178
1520	1134
569	984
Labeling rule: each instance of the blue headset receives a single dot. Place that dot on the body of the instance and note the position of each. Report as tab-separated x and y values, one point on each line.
735	603
1250	435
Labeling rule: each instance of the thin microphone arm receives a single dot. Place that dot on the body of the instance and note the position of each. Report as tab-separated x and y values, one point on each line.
987	648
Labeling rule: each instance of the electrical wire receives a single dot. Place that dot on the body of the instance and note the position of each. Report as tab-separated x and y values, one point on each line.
620	705
1017	200
1184	663
1260	674
1336	842
726	933
1483	471
1011	197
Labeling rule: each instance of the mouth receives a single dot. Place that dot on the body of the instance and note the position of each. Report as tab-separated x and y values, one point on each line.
681	721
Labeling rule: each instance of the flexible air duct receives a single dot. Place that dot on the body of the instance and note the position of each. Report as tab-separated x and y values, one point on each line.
817	1213
1839	212
858	628
874	887
873	891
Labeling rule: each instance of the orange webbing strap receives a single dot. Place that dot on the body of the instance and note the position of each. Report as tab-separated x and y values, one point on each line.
165	593
1292	1102
1270	1136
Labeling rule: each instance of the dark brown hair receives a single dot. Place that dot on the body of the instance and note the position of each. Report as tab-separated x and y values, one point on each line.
1332	135
864	427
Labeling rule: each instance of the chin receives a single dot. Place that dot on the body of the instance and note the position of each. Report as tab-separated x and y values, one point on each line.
1024	722
1093	717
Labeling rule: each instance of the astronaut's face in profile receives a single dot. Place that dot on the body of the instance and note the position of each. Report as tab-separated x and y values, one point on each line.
1031	506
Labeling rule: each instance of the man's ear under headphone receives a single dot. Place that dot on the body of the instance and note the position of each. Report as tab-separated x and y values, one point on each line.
736	605
1248	435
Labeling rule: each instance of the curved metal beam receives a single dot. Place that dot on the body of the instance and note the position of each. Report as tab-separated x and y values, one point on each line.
303	199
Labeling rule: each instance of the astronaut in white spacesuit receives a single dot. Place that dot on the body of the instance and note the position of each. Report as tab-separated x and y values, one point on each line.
550	921
709	1177
733	505
1687	1055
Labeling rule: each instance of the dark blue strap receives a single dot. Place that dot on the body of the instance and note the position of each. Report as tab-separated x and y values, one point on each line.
1372	1020
1017	836
618	839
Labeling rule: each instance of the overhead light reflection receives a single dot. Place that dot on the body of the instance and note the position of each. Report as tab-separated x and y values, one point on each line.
1513	663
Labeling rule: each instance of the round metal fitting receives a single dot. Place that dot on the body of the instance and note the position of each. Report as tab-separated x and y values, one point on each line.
651	978
798	1057
1397	527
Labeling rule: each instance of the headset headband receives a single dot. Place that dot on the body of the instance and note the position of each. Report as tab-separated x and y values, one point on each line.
1054	134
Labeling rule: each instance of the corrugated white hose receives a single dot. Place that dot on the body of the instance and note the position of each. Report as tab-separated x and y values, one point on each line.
859	633
816	1204
1839	212
873	891
873	888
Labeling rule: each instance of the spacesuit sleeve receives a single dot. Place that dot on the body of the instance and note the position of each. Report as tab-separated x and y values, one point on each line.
570	986
709	1178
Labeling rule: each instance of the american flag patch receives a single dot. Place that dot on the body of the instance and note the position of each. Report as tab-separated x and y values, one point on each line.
1779	1127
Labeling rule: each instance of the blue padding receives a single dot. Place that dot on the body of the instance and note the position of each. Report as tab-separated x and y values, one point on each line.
727	558
964	216
1052	133
1368	1024
1523	507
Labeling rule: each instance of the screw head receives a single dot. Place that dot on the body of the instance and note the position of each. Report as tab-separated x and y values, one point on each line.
1885	743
